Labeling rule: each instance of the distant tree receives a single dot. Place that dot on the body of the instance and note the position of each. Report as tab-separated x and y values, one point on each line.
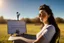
23	19
2	20
37	20
59	20
32	20
27	20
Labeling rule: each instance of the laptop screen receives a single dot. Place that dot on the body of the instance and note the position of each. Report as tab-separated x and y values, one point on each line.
15	26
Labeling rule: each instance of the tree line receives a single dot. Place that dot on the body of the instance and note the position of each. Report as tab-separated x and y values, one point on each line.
31	20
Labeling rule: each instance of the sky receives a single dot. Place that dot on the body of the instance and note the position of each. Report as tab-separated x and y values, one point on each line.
29	8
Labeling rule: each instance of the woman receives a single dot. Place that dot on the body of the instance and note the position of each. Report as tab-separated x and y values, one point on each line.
50	32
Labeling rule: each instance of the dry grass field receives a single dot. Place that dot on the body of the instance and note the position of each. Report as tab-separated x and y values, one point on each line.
31	29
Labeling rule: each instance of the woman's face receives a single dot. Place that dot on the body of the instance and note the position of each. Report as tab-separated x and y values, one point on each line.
43	16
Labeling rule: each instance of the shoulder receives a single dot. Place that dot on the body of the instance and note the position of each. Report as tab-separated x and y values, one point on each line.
51	28
50	32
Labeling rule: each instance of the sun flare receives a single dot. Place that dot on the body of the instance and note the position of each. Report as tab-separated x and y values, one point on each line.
1	3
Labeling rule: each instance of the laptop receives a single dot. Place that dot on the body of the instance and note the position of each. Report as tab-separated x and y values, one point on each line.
15	26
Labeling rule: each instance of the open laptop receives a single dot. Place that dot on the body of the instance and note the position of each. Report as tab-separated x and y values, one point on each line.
15	26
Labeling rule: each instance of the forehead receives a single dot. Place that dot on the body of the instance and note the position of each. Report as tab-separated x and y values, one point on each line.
40	11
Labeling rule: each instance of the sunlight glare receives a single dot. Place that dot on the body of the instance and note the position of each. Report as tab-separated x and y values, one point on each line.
1	3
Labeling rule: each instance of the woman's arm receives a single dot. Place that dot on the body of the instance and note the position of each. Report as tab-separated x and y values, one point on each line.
41	38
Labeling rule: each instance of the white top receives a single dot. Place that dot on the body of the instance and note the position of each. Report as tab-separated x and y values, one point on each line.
47	32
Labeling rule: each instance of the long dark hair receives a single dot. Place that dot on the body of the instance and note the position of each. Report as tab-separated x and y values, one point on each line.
52	21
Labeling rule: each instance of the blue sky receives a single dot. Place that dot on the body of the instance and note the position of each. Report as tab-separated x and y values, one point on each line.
29	8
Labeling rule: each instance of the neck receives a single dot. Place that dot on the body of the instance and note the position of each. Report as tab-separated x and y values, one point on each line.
46	23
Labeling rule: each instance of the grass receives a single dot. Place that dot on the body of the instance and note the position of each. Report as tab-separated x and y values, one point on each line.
61	26
31	29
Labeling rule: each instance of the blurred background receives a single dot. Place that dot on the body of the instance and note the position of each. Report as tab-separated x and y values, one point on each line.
29	10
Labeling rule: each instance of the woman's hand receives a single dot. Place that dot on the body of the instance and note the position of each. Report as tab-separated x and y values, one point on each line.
36	41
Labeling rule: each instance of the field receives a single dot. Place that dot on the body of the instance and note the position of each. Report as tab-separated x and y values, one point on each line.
31	29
